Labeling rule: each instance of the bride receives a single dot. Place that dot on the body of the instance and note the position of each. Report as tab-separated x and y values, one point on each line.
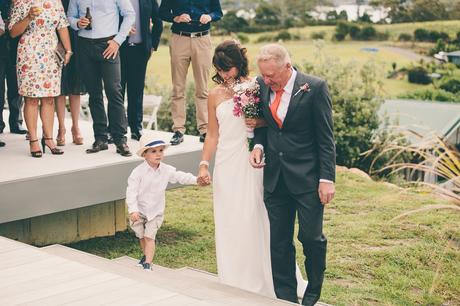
242	228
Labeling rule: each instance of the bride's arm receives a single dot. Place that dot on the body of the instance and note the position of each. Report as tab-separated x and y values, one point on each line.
212	136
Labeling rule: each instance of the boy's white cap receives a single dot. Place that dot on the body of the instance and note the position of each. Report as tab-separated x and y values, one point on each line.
150	140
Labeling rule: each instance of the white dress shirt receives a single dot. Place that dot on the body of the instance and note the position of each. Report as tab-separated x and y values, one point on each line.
284	105
146	188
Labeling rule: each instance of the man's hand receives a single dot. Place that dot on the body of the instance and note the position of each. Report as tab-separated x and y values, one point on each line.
255	159
68	55
135	216
326	192
205	19
204	177
251	123
182	18
83	23
112	49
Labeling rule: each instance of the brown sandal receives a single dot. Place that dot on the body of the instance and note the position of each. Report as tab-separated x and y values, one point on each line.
76	137
60	141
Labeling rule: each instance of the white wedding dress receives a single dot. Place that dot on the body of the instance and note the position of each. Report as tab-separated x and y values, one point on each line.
241	221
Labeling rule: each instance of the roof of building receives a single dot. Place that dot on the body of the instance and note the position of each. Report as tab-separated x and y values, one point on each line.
423	117
454	53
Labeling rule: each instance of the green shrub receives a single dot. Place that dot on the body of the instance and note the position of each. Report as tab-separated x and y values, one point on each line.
339	36
404	37
265	38
368	33
418	75
243	38
164	117
355	91
421	35
355	32
283	35
318	35
431	95
451	85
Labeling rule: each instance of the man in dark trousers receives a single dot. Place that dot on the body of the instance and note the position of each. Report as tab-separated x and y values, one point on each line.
135	53
8	53
98	51
299	168
190	43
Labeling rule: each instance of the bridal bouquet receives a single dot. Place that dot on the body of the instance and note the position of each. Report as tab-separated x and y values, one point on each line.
247	102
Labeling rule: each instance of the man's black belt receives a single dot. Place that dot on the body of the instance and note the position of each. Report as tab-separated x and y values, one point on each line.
191	34
97	40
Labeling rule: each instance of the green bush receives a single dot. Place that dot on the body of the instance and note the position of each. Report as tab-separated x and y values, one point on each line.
283	35
418	75
318	35
243	38
404	37
355	91
368	33
451	85
339	36
265	38
355	32
421	35
431	95
165	122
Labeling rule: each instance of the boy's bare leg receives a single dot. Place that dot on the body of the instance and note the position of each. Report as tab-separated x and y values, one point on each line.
142	243
149	249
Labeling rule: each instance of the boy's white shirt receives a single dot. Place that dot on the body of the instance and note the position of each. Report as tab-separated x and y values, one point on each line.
147	186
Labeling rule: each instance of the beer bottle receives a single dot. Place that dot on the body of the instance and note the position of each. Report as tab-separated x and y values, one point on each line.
88	16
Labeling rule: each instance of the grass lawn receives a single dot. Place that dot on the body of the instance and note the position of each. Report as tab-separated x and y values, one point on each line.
371	261
159	69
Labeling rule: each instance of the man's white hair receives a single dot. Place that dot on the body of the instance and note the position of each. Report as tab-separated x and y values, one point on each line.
275	52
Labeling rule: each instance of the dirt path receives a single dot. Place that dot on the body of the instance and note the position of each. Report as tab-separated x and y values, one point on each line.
408	53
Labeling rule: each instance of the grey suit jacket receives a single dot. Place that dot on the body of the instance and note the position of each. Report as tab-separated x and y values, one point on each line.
302	151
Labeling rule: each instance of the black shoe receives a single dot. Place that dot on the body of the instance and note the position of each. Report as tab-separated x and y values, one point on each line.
147	267
2	144
202	137
123	149
18	130
141	262
177	138
98	145
136	136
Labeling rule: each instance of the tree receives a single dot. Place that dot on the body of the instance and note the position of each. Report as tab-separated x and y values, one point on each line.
232	23
267	14
427	10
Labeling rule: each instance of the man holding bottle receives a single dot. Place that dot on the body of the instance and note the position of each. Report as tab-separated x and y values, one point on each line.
100	60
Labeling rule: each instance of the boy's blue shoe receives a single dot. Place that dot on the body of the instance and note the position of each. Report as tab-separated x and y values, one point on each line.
147	267
141	262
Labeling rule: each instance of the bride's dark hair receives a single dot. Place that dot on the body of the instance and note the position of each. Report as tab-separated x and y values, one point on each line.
227	55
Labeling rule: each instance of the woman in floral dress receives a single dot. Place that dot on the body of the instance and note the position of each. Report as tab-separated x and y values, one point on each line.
38	68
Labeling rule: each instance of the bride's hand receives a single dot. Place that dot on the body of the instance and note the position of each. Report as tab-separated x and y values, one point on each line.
255	159
204	177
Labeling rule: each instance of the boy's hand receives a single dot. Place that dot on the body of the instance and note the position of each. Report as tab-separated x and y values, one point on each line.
134	216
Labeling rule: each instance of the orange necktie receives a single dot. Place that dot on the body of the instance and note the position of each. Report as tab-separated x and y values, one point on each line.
274	106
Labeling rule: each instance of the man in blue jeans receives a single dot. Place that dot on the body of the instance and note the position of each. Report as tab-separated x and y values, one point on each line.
98	50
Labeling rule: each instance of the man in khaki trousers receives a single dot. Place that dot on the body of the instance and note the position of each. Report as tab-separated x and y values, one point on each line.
190	43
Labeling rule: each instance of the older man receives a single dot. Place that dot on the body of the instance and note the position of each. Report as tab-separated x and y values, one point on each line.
299	173
100	60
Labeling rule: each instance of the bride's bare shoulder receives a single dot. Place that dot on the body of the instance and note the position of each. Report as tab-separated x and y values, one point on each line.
218	94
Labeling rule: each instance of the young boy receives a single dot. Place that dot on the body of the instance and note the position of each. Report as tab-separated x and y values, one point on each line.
145	195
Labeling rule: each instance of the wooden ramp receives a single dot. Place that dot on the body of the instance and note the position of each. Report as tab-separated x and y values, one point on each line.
57	275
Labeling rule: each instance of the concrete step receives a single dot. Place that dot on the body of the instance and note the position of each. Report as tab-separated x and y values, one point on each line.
188	271
199	285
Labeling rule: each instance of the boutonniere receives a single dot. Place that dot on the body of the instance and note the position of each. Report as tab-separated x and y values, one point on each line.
305	88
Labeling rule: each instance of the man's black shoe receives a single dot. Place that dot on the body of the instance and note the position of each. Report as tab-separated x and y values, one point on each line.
2	144
202	137
98	145
19	130
177	138
136	136
123	149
